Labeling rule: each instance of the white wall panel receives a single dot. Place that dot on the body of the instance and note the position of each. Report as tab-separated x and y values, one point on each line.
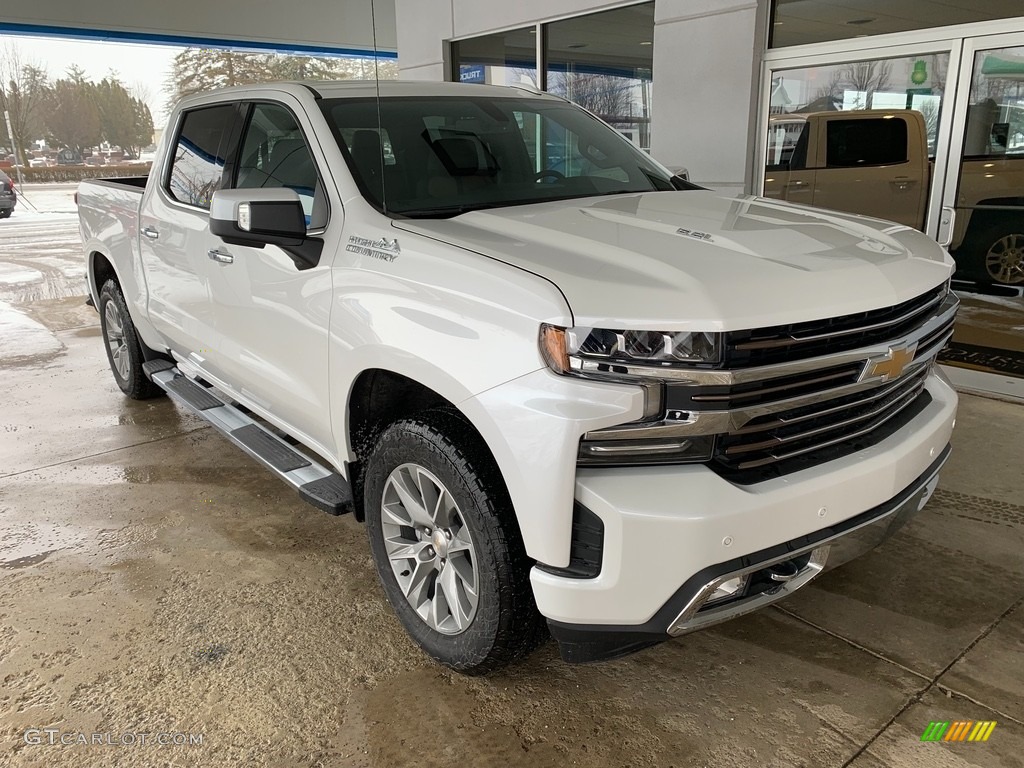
342	24
706	55
702	110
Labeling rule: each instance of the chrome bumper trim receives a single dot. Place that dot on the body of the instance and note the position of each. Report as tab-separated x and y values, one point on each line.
824	554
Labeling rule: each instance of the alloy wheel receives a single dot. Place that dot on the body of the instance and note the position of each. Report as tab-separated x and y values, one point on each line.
114	334
430	549
1005	260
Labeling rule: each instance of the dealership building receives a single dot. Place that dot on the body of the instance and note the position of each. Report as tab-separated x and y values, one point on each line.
706	86
591	383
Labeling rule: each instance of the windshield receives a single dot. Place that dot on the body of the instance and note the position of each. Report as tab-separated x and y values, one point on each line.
441	156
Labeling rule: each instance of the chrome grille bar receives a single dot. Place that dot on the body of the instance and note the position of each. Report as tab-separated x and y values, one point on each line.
870	396
828	425
794	339
775	458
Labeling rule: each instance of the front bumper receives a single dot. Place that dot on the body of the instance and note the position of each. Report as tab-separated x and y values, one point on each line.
672	533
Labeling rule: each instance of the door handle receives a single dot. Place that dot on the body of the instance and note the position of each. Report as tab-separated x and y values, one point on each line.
151	233
947	222
220	257
902	183
796	183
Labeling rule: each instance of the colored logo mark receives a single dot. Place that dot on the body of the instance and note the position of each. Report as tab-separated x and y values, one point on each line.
959	730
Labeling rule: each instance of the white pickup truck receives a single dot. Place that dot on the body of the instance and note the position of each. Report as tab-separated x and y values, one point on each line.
556	382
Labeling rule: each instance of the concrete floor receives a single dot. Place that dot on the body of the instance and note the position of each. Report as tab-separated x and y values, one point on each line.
155	579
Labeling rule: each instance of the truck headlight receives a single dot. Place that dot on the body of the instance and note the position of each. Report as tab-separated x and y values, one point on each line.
615	355
604	350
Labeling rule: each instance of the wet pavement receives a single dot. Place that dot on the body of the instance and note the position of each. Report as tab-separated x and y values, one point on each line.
154	579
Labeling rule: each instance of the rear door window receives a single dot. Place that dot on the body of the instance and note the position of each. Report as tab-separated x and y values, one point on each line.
201	152
866	142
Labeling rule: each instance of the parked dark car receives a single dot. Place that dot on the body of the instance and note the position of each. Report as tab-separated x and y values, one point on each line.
8	196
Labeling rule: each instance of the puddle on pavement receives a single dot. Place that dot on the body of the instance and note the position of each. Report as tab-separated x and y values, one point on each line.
33	543
24	562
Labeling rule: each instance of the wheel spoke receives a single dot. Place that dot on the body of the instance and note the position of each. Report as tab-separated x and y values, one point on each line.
408	495
440	606
448	583
460	542
429	495
400	548
463	570
393	514
418	585
120	358
446	510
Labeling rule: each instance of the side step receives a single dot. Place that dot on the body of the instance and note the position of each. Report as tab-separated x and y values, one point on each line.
317	484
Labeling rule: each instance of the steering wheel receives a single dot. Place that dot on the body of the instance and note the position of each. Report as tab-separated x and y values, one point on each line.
549	173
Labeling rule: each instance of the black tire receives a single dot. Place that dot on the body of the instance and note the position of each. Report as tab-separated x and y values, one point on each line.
506	625
6	213
1003	239
131	380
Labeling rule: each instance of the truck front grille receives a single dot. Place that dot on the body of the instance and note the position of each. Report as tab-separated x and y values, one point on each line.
819	390
797	341
843	424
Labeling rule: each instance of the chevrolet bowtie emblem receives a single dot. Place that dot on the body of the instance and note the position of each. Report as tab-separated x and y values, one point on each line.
890	365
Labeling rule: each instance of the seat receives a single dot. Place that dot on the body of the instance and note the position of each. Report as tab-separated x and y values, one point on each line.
467	165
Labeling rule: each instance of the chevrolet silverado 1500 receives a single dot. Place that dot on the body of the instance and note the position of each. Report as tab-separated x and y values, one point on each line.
592	399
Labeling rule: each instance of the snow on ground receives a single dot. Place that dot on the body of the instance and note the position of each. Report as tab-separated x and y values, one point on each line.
15	274
21	336
41	250
45	199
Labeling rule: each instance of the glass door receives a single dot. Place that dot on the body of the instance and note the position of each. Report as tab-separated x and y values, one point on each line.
863	130
982	219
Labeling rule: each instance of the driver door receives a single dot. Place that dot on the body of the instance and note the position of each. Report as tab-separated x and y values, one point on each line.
273	317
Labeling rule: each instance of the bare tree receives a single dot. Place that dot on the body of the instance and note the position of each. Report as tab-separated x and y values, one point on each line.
608	97
868	77
196	70
23	88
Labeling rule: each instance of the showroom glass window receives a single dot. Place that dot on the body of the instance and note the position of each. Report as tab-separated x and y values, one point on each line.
504	58
799	22
906	82
200	154
604	62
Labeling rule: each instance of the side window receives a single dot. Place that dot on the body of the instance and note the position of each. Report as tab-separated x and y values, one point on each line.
275	156
200	154
865	142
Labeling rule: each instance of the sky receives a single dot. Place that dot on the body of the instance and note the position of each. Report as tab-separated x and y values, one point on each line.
145	65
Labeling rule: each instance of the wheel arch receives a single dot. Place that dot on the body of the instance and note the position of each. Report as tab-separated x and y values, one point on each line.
379	397
100	269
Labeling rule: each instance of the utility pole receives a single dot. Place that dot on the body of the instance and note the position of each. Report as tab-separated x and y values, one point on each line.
17	161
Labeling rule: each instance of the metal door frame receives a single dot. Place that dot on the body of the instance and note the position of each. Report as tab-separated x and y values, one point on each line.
849	51
970	49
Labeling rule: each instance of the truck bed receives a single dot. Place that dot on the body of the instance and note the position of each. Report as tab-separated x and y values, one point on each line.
136	183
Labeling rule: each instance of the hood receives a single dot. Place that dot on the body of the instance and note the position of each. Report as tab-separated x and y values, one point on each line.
698	260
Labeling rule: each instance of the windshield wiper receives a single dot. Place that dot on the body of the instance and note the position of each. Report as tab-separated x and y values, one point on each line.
443	211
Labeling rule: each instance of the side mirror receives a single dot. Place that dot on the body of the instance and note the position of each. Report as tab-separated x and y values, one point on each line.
682	173
261	217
